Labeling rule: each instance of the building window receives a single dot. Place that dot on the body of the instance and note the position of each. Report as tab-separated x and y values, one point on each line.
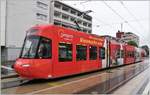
65	25
65	8
89	31
89	25
87	17
41	16
42	5
73	27
57	14
81	52
84	24
64	16
65	52
56	22
84	30
93	52
73	12
79	21
72	19
79	13
57	5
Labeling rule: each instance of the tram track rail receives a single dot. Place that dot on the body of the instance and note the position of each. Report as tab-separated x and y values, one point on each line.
12	82
125	81
15	80
83	76
75	87
108	86
13	75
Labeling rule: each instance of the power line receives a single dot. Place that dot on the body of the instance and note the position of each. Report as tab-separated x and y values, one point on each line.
128	21
85	1
97	19
124	20
114	11
131	14
119	15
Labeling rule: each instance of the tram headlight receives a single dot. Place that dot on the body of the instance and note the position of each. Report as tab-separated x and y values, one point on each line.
25	65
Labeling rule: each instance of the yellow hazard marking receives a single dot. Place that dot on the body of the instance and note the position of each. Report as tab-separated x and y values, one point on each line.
55	83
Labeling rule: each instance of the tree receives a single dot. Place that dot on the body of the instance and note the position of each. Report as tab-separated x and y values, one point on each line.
132	43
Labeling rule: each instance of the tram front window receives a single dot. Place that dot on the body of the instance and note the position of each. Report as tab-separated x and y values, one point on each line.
36	47
30	47
45	48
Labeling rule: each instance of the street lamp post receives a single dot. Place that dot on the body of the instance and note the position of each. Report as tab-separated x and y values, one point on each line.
122	25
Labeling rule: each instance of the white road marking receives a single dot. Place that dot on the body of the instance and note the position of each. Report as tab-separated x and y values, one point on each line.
34	92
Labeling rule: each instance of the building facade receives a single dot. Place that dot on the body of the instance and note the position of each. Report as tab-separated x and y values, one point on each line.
128	36
65	15
19	15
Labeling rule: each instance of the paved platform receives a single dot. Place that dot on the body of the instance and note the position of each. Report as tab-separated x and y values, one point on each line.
137	85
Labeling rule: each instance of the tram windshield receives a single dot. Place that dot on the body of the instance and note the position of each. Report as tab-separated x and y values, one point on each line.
36	47
30	47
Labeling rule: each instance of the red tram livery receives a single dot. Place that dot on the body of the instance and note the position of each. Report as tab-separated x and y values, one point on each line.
51	51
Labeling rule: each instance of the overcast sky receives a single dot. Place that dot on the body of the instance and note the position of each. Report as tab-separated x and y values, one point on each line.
108	16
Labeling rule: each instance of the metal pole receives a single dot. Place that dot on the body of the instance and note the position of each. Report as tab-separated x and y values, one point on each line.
121	27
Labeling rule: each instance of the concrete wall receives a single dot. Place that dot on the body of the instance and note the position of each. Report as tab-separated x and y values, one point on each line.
2	21
21	15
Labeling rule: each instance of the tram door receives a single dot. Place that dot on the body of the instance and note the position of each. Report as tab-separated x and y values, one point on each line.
104	54
120	58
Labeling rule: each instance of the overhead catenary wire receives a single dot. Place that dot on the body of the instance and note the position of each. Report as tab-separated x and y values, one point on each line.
104	23
97	19
110	25
134	17
120	16
131	14
143	19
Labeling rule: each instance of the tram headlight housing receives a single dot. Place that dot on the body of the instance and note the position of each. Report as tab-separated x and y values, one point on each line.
25	65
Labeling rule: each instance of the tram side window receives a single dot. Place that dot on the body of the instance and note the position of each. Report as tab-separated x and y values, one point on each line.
65	52
122	53
133	54
81	52
102	53
118	53
45	48
129	54
93	53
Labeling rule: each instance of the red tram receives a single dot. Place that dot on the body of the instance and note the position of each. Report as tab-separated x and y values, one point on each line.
51	51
